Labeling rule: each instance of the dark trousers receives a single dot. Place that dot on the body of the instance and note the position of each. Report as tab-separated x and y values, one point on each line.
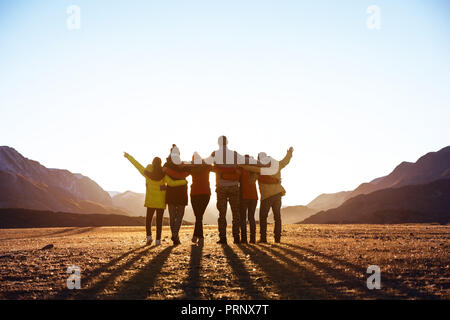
247	209
224	195
159	220
273	202
199	203
176	213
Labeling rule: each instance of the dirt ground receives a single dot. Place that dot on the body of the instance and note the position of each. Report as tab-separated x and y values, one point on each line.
312	262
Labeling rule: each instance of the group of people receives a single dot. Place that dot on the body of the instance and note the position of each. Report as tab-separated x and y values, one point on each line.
236	178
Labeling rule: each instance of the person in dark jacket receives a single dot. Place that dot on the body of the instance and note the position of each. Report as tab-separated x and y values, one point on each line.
176	196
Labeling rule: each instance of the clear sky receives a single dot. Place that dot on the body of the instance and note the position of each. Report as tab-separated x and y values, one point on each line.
140	75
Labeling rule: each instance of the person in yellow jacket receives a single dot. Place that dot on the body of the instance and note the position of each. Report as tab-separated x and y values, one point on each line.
271	191
155	197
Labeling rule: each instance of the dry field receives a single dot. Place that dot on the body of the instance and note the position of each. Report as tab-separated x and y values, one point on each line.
312	262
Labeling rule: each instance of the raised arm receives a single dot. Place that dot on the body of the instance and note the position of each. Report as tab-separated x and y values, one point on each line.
134	162
285	161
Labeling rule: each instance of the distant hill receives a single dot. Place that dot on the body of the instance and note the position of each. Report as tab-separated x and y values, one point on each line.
25	183
430	167
292	214
113	193
131	202
424	203
23	218
327	201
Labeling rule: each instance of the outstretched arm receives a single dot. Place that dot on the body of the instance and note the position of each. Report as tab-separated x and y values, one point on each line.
174	183
134	162
250	168
196	168
274	166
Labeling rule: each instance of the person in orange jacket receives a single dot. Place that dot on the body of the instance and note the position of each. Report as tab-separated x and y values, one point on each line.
200	195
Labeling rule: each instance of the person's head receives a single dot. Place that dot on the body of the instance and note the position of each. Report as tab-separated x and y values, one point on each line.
196	158
154	171
249	159
263	158
156	162
175	154
174	149
222	141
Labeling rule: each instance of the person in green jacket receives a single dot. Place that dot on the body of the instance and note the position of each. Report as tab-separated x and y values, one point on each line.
155	197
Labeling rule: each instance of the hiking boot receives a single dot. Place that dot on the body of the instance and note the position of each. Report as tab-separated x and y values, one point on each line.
149	240
176	241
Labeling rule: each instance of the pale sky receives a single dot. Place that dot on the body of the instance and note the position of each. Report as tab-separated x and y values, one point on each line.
138	76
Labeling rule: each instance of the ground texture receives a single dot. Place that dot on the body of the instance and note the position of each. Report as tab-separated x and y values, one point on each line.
312	262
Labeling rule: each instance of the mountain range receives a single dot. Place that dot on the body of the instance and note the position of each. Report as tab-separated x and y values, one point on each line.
412	192
419	203
428	168
27	184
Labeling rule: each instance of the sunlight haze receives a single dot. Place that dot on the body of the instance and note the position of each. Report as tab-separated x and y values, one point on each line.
142	75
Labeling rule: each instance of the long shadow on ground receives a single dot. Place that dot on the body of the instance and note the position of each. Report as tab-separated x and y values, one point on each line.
386	278
191	286
139	285
56	234
242	274
346	282
300	283
98	286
